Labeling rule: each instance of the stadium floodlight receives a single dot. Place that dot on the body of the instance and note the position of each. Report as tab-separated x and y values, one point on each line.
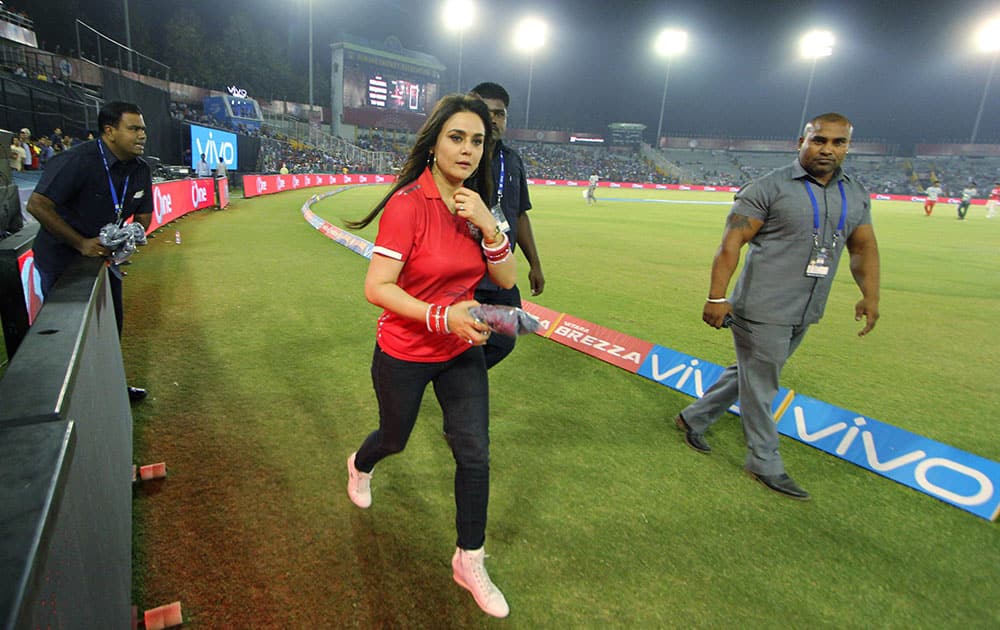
669	42
813	45
987	41
529	36
458	16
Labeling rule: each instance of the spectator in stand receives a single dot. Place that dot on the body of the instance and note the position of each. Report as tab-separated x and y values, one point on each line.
509	203
16	154
284	169
29	153
56	139
45	151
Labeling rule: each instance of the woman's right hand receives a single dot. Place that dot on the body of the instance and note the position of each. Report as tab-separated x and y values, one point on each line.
467	327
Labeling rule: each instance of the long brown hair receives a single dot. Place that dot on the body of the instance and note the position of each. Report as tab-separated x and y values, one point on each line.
420	155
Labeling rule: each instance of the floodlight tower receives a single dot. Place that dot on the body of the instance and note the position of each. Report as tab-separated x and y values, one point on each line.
530	36
988	41
128	34
669	42
310	55
458	16
813	45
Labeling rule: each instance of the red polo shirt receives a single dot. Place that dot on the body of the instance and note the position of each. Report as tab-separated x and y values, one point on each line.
442	264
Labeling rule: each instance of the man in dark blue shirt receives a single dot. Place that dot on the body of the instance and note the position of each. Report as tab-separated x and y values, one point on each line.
87	187
511	193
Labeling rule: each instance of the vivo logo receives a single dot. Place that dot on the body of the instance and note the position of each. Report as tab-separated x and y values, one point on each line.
224	148
938	476
162	204
308	180
686	371
281	183
295	181
261	185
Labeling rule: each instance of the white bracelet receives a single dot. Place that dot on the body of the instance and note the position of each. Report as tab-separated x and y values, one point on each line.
496	248
446	330
427	318
721	300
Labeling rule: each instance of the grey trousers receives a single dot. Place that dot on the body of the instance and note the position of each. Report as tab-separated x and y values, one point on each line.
753	381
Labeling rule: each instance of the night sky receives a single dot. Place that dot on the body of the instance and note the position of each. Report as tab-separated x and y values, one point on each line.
903	71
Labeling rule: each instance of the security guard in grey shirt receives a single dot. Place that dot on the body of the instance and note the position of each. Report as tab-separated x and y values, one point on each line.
797	221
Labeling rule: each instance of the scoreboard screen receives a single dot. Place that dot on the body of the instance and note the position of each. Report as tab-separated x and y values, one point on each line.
371	86
396	93
392	89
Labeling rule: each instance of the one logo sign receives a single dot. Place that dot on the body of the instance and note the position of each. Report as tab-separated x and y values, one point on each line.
162	204
199	194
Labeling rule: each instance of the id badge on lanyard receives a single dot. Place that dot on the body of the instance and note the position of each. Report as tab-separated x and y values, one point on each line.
118	201
821	256
496	210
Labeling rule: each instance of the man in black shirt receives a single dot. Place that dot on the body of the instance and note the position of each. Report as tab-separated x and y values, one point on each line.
511	194
87	187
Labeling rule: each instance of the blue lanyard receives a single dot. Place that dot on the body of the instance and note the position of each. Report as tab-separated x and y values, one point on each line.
118	201
500	183
815	205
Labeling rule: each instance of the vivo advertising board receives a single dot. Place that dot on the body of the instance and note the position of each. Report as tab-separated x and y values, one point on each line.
214	144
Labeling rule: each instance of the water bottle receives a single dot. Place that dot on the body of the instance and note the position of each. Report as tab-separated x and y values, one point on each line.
177	237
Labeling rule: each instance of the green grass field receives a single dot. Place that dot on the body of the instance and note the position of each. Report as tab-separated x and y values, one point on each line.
255	339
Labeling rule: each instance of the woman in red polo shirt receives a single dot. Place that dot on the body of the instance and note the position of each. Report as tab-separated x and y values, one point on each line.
429	255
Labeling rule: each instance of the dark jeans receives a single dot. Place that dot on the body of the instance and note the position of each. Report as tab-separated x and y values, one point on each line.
49	278
499	346
462	389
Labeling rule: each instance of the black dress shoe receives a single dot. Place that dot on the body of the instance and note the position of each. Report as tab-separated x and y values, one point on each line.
782	484
135	394
695	440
